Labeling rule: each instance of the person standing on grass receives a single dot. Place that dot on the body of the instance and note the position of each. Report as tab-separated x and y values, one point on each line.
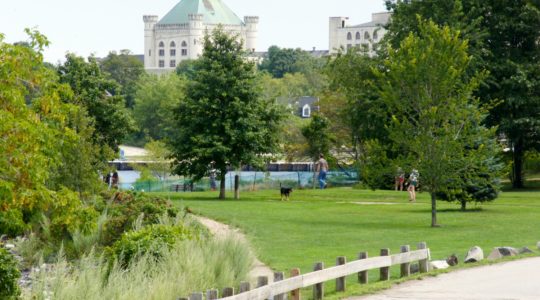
322	168
399	179
413	183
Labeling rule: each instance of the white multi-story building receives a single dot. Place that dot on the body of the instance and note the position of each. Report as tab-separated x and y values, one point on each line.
344	36
179	34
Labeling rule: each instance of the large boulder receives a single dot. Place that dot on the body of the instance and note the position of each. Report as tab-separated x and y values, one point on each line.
500	252
438	265
525	250
475	254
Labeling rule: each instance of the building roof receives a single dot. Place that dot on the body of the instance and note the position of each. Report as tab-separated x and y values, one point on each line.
214	11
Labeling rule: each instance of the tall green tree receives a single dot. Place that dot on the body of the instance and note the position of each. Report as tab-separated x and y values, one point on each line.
126	69
503	40
92	91
318	136
38	133
352	101
155	101
434	116
223	121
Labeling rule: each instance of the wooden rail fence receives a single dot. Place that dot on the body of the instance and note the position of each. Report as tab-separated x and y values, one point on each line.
281	286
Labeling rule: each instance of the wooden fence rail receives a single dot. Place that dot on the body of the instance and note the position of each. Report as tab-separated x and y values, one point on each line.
297	281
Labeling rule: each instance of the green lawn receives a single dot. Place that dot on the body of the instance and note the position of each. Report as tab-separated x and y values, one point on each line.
319	225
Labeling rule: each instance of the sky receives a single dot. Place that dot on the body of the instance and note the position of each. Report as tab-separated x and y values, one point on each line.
100	26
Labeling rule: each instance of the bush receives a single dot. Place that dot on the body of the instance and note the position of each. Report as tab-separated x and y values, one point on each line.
152	240
9	275
12	223
126	207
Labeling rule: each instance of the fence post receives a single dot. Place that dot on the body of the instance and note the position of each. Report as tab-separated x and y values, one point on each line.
227	292
211	294
318	289
423	263
278	276
262	281
363	275
295	294
236	187
385	271
340	282
244	287
196	296
405	267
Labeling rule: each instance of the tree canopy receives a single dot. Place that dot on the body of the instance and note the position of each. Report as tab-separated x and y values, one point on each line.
434	117
503	39
223	121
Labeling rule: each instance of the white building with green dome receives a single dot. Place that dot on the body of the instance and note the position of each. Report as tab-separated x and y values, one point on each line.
179	34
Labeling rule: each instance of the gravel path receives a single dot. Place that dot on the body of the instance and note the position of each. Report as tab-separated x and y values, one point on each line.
510	280
220	229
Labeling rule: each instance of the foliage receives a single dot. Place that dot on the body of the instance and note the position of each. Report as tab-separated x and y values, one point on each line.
125	208
293	143
209	263
280	61
152	240
223	120
38	134
352	103
9	276
318	136
155	101
93	91
439	123
186	68
12	222
126	69
503	40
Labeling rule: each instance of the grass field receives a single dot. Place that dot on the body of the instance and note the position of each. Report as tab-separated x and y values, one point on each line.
319	225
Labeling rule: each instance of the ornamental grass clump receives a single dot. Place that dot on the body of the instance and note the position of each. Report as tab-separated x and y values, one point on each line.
187	267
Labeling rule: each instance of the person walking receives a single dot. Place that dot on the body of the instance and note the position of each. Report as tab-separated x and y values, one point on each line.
413	183
322	168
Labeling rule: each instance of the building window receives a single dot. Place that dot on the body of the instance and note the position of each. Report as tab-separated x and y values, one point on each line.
375	36
349	36
150	52
162	64
306	111
349	46
173	44
358	36
366	36
342	24
161	49
172	63
184	52
173	52
184	44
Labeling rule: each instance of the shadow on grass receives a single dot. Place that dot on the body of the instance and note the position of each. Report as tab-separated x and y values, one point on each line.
450	210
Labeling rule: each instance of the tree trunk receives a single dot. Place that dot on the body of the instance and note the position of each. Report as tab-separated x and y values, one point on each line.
222	184
236	187
463	205
517	170
433	210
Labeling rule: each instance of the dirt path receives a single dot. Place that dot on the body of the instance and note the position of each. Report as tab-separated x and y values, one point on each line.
220	229
511	280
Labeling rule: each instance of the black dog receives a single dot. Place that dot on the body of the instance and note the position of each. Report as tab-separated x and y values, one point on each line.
285	192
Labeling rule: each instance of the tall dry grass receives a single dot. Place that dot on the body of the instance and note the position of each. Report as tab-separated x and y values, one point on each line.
190	266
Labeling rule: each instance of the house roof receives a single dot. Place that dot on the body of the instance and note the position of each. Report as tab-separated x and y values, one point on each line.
214	12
